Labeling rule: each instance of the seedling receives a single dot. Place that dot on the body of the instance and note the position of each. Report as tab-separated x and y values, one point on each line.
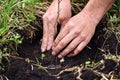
87	64
42	68
43	56
27	60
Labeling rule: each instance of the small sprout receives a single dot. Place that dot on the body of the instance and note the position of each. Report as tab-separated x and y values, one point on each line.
118	57
62	60
42	68
42	56
27	60
87	63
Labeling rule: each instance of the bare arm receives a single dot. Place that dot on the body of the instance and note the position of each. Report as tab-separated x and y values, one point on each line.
97	8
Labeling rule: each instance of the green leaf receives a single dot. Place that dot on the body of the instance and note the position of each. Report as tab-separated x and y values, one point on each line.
42	56
42	68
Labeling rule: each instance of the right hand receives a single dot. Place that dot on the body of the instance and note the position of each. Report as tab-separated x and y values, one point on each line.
50	19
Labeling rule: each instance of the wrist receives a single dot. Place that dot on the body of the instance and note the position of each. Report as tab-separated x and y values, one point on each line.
97	8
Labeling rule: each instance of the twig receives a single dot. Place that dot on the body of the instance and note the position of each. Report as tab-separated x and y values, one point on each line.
118	41
58	13
21	58
66	70
105	40
104	76
79	73
1	78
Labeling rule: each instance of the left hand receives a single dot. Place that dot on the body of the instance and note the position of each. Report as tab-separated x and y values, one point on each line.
76	34
50	20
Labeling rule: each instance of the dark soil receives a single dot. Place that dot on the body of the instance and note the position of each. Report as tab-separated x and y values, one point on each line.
30	66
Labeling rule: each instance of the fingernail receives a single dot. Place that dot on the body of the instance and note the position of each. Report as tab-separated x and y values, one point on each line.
53	53
43	49
49	47
59	56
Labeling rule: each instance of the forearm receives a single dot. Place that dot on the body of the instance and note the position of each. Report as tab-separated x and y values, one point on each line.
97	8
63	1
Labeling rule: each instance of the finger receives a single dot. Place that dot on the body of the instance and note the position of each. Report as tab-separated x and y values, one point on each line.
70	47
64	42
60	36
70	54
79	48
63	33
52	33
45	35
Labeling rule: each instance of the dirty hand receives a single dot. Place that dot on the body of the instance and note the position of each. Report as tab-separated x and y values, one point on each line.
49	21
75	35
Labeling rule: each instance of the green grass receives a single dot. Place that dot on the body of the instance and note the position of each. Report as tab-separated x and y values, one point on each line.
114	14
14	15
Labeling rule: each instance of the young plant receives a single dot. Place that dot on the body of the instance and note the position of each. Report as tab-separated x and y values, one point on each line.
43	56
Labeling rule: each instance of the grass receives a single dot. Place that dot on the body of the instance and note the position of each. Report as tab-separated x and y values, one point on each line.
114	14
14	15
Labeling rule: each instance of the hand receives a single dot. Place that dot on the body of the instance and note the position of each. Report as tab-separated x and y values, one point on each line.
49	21
76	34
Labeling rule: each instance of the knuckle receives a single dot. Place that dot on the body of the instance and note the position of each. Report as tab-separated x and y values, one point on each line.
59	38
70	24
61	19
76	33
83	36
